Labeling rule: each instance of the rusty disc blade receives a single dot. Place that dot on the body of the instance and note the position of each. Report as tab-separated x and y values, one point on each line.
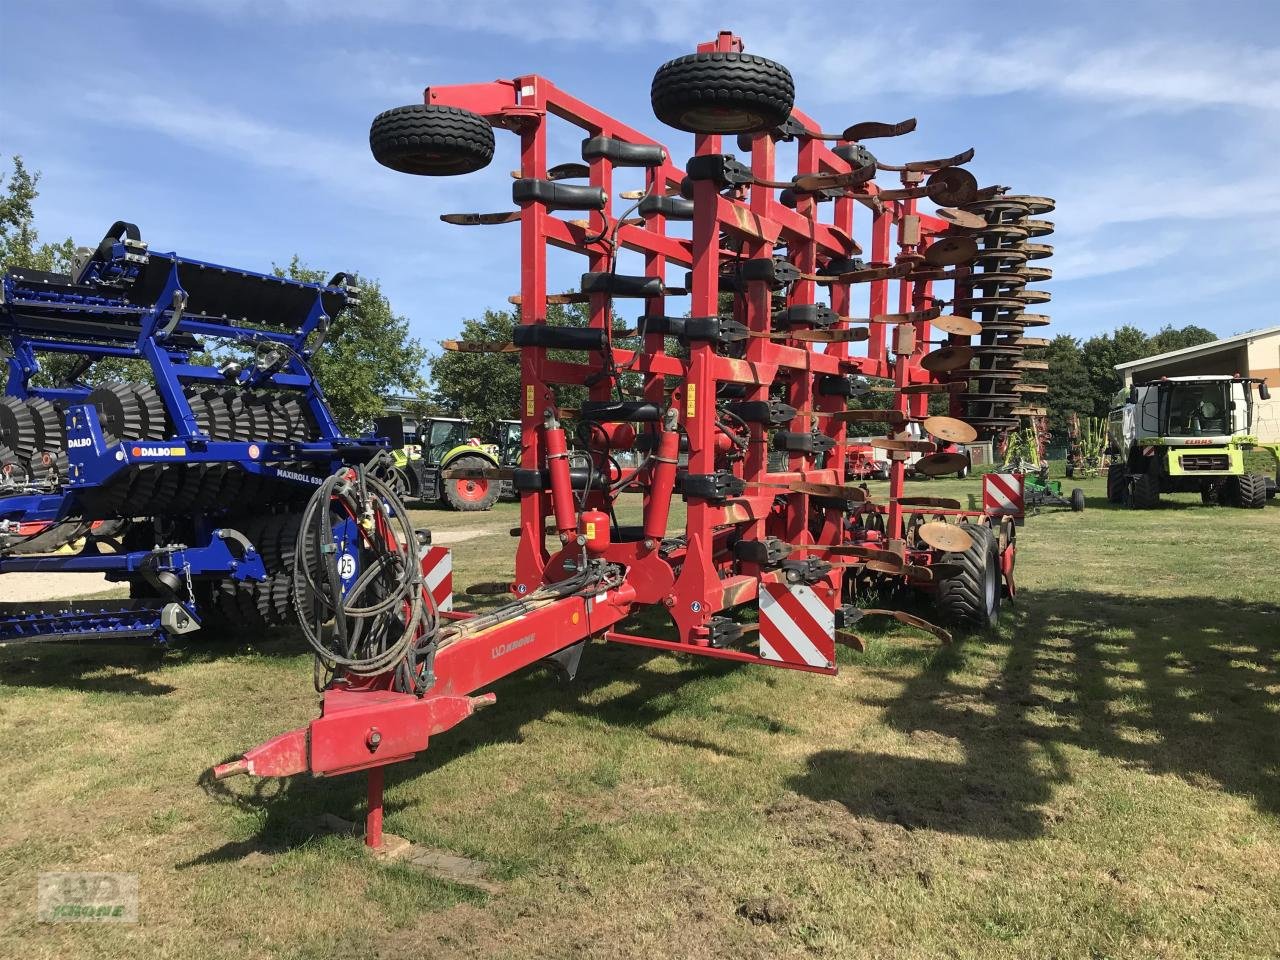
1030	411
911	446
1030	388
1036	205
1031	365
962	218
1032	342
948	537
916	316
867	553
1031	319
945	359
942	503
1038	251
1035	296
989	303
940	464
952	187
950	429
951	251
997	279
958	326
1038	228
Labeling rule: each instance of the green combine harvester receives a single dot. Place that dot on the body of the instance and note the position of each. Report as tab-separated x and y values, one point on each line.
1185	435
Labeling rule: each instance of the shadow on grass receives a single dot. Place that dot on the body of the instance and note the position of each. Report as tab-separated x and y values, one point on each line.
129	668
290	810
1172	686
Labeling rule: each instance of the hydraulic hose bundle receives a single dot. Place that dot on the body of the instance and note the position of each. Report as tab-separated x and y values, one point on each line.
357	580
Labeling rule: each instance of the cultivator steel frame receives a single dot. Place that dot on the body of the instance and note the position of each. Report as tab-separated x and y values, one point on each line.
187	486
759	366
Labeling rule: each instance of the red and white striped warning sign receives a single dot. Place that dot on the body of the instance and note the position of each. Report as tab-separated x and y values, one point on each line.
437	574
796	626
1002	495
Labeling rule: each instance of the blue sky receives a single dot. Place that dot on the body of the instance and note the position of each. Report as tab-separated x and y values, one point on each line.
236	130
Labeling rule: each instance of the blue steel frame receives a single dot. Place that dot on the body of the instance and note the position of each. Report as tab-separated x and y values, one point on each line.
30	311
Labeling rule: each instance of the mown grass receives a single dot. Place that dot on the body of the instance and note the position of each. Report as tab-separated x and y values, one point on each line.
1100	778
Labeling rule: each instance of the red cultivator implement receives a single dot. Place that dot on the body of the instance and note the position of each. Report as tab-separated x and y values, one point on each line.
737	401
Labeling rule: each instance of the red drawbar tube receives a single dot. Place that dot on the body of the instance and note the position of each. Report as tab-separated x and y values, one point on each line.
561	483
664	484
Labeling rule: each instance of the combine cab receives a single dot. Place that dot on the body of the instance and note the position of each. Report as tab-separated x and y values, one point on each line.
1185	435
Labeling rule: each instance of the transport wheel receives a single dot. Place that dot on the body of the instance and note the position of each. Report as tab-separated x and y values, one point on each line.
1117	478
722	93
469	495
971	596
431	141
963	472
1143	492
1250	491
1077	500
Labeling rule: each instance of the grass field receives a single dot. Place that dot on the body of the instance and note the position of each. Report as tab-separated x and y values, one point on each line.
1101	778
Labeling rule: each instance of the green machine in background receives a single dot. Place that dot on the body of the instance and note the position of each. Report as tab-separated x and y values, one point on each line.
425	447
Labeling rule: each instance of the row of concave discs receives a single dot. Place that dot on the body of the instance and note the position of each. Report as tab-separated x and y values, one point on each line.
33	448
997	294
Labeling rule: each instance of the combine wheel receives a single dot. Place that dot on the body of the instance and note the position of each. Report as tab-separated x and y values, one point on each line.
431	141
1249	491
1143	492
469	495
1117	478
722	93
971	597
1077	500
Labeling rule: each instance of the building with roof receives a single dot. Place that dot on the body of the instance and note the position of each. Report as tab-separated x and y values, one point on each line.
1253	354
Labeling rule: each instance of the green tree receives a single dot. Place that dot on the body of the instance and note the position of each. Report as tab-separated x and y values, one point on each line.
20	245
1100	355
1068	382
367	356
485	387
1172	338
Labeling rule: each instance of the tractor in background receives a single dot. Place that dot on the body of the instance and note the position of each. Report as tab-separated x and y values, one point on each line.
425	448
1185	435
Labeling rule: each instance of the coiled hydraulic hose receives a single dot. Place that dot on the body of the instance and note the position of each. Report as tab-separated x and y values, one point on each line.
382	619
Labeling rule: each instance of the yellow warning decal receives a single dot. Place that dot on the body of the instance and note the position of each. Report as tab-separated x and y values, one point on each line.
591	530
691	401
528	401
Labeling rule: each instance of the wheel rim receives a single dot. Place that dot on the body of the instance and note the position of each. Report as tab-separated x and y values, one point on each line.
472	491
722	120
990	587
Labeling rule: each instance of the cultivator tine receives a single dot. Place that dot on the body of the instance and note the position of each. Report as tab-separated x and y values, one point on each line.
475	346
949	429
928	166
848	335
867	130
889	272
561	171
480	219
942	503
584	224
903	446
916	316
833	491
913	389
911	620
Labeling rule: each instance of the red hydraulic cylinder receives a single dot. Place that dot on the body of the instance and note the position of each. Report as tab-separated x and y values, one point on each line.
561	483
663	485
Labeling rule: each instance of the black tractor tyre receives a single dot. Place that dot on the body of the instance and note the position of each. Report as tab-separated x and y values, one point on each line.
431	141
1077	500
471	495
1143	492
1071	471
1250	491
971	596
1117	478
722	93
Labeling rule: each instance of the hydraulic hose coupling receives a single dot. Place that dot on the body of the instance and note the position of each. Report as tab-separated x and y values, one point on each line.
666	460
561	482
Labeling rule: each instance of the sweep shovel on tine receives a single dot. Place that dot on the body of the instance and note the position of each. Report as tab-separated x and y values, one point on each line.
478	346
866	130
850	335
911	621
480	219
928	166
